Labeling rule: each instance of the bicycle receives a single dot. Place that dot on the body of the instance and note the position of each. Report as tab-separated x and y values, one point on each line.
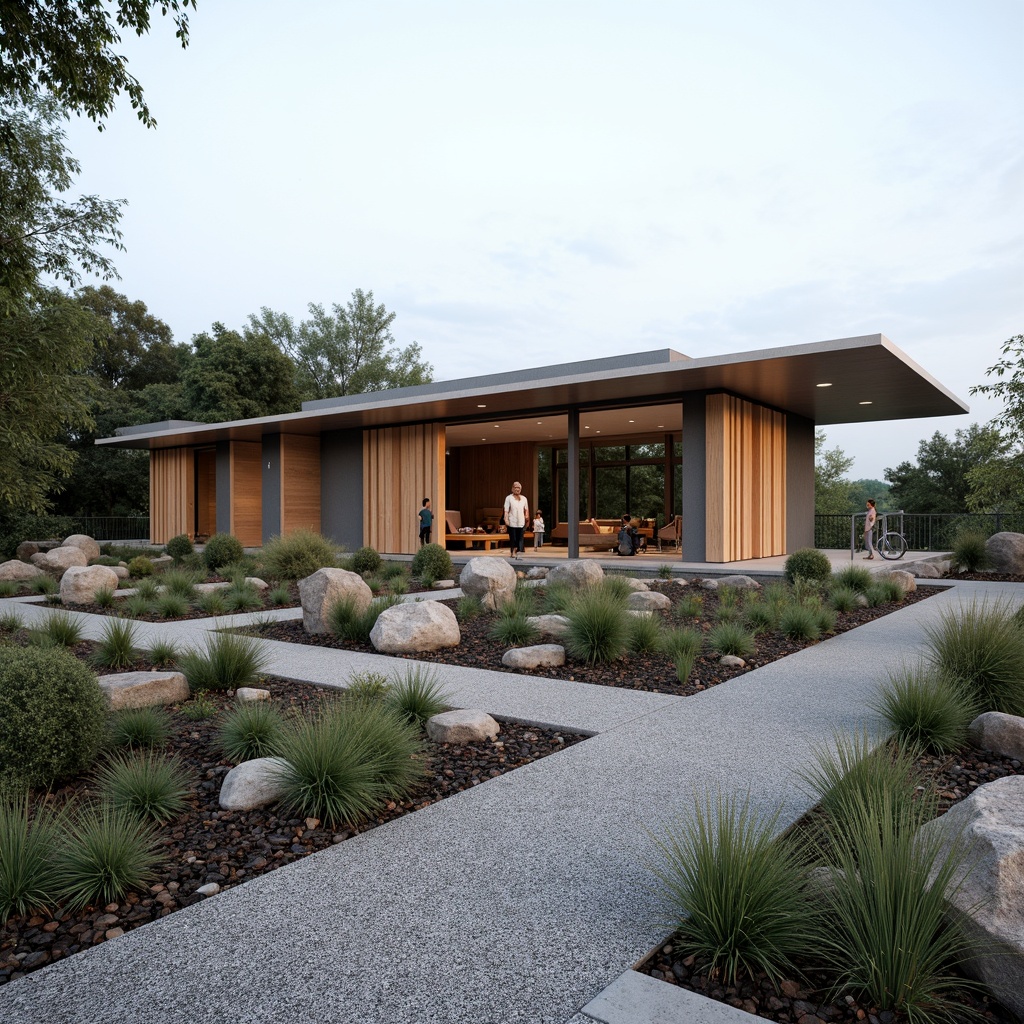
891	544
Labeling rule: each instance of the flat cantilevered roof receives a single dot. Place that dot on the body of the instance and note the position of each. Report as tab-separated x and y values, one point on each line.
849	380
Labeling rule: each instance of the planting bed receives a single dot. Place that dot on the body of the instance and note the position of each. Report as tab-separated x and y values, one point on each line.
652	672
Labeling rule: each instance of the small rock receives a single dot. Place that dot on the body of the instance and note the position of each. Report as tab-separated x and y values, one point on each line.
467	726
731	661
249	694
210	889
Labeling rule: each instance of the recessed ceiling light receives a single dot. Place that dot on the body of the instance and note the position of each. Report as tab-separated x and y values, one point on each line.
865	403
586	428
599	431
632	421
497	426
827	384
484	406
661	426
483	438
539	422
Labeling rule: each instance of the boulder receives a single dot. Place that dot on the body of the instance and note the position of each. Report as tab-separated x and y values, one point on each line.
83	542
577	573
27	548
143	689
538	656
412	627
901	576
538	572
161	563
120	571
1006	552
260	586
325	588
549	625
989	903
925	571
634	584
252	784
251	694
739	582
17	571
709	584
444	584
492	580
648	601
469	726
731	661
79	583
58	560
1002	734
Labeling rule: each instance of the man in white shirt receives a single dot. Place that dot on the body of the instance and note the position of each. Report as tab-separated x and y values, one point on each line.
517	515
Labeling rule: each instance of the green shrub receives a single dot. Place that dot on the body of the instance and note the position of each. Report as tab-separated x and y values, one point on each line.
468	607
737	895
8	588
140	566
52	716
137	728
925	709
808	564
368	687
227	661
28	873
107	560
200	707
970	551
690	607
146	783
598	629
240	569
982	645
340	765
645	633
797	622
179	547
856	577
826	619
434	561
116	648
297	555
107	852
220	550
843	598
732	638
417	695
251	730
665	572
366	560
172	606
10	621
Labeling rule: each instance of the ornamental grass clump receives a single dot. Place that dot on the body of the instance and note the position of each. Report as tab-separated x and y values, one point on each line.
982	645
117	646
251	730
144	782
556	598
147	589
180	583
856	577
104	597
970	551
61	629
925	709
107	852
140	728
28	841
758	617
212	602
689	607
511	627
242	597
163	653
8	588
52	716
366	687
843	598
798	622
645	633
342	763
171	606
732	638
598	628
279	596
468	607
44	585
298	555
736	893
227	661
417	695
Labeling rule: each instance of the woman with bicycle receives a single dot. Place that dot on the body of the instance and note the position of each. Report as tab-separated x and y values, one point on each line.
869	528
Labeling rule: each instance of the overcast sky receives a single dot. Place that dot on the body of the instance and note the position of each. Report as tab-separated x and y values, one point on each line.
527	183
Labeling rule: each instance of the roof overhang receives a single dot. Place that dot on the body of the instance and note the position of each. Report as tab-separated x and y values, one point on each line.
849	380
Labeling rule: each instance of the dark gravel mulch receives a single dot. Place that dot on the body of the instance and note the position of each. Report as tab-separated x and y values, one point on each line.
805	1000
206	844
985	577
650	672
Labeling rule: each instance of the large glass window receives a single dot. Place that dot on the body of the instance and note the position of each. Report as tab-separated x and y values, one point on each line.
610	492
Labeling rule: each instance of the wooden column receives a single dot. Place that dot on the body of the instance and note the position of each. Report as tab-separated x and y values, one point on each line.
172	500
246	492
300	483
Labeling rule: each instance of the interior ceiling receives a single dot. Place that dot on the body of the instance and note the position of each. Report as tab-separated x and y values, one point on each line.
610	423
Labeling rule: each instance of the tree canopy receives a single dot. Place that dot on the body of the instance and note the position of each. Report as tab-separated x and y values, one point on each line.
832	490
347	351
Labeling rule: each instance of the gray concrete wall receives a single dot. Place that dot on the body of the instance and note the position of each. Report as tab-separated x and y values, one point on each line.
695	481
223	486
799	483
341	488
271	468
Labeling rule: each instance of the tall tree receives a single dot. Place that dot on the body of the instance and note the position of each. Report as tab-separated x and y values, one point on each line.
347	351
234	377
832	491
67	49
938	482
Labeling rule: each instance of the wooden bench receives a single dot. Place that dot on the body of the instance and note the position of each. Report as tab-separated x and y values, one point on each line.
453	524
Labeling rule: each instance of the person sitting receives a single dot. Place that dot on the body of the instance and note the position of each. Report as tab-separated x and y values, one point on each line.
629	540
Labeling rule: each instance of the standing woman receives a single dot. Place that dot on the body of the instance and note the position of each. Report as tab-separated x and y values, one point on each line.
869	528
517	515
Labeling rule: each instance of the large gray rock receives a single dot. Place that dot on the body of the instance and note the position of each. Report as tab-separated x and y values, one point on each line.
648	601
58	560
1002	734
989	903
161	563
1006	552
416	626
252	784
79	583
468	726
492	580
634	584
901	576
143	689
319	592
577	573
27	548
16	571
83	542
549	625
538	656
739	582
925	571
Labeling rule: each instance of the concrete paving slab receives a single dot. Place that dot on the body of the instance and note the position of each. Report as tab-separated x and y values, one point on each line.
638	999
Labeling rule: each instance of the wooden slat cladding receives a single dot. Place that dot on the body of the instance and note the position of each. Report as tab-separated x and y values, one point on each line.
300	483
246	473
206	493
401	466
486	474
171	493
745	514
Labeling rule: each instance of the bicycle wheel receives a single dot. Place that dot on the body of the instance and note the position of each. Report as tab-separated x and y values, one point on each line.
892	546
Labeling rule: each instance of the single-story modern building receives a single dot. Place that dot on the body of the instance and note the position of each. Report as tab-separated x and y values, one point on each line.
724	442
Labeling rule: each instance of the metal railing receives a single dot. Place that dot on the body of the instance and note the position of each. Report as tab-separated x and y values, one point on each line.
106	528
927	532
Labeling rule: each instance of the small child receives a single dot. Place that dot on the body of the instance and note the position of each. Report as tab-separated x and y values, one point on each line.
538	530
426	521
